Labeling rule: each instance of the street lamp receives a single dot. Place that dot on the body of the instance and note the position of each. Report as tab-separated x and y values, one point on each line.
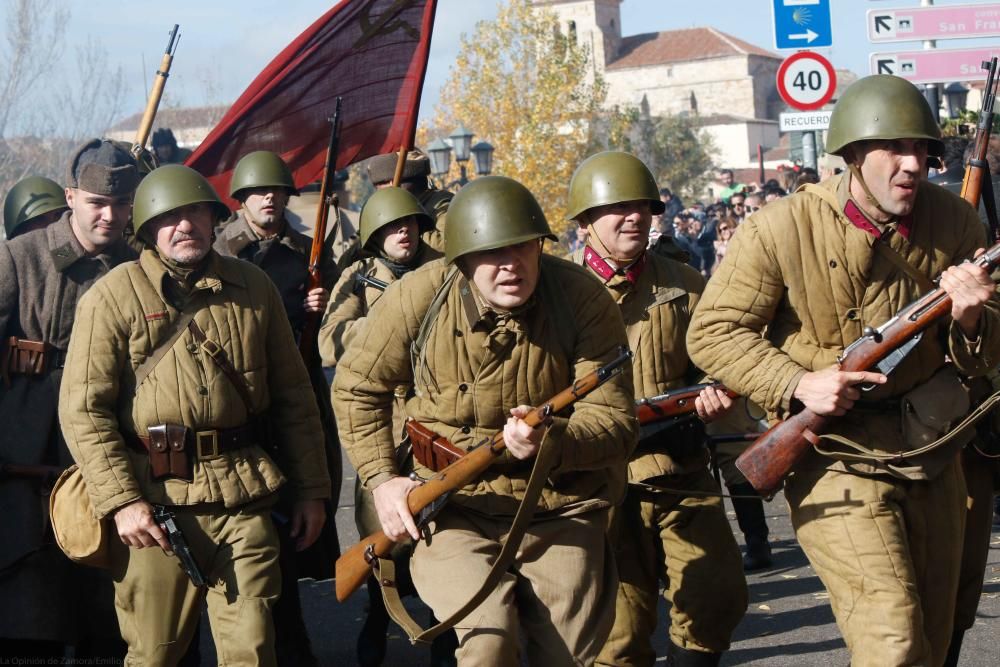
955	96
461	142
440	156
482	158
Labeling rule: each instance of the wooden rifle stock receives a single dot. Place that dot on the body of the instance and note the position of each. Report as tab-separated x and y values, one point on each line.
769	459
354	566
153	103
977	170
310	324
676	403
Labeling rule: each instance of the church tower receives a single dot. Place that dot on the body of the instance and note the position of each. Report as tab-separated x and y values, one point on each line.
597	24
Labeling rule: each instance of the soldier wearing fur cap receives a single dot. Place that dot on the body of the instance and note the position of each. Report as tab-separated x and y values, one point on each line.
45	600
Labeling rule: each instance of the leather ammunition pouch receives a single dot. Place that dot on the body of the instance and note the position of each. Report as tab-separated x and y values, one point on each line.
436	454
173	447
28	357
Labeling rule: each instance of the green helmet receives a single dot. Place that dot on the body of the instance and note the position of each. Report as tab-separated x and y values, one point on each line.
261	169
30	198
170	187
492	212
610	178
389	205
882	106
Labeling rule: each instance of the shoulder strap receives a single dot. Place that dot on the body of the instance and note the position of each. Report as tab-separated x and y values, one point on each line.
146	367
417	359
881	247
218	355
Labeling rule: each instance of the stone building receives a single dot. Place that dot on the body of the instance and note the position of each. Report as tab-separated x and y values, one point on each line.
729	83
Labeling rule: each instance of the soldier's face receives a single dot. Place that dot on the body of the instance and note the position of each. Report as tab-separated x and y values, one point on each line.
623	228
506	277
97	220
893	170
184	234
265	207
399	239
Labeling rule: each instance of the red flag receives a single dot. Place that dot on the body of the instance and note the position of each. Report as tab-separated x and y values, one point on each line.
373	53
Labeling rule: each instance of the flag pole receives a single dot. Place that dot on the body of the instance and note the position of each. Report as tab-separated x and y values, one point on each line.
411	122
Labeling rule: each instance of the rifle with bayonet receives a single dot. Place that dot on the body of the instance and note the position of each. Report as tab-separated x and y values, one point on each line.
977	176
426	500
773	454
153	103
310	326
163	516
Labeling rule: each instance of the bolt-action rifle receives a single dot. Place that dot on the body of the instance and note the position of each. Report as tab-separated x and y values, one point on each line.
977	181
310	326
153	103
426	500
766	462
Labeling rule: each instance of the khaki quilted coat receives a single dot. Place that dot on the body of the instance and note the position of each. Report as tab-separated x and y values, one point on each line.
800	282
119	323
657	311
478	366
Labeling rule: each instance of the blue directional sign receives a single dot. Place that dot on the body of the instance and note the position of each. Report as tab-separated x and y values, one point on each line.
802	24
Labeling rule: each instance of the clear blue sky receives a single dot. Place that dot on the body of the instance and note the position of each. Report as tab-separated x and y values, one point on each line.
225	43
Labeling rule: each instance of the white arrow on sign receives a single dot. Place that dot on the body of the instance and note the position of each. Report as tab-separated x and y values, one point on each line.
808	35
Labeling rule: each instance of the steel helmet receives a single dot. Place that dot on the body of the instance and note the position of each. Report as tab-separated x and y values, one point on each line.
882	106
30	198
170	187
492	212
610	178
389	205
261	169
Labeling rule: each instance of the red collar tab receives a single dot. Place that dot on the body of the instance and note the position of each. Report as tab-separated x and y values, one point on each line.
601	267
859	220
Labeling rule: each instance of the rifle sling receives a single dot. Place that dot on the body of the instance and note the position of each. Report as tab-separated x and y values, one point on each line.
385	569
862	453
147	366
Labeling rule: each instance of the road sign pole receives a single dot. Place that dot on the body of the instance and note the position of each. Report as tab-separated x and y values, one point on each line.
809	149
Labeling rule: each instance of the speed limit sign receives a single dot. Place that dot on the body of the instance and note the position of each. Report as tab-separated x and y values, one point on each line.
806	80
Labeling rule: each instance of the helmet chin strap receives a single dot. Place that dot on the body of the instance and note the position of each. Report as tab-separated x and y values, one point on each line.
622	262
869	197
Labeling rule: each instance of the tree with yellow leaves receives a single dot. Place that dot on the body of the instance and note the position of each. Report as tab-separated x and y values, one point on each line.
530	91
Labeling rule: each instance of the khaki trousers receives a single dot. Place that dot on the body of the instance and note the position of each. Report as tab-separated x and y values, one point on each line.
981	479
684	541
559	591
888	551
159	608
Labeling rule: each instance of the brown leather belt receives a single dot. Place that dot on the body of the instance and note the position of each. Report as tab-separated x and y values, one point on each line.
29	357
205	443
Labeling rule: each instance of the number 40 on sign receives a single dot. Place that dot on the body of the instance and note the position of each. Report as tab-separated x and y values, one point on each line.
806	80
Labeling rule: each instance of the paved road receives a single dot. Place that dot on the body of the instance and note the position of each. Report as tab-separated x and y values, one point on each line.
788	624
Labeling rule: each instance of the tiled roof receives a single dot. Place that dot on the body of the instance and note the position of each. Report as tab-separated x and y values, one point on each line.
176	118
669	46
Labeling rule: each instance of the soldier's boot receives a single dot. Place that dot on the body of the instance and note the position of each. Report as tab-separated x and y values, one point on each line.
443	647
371	646
680	657
753	525
954	648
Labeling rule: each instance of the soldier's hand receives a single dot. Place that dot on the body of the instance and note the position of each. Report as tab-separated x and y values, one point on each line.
316	300
969	287
393	512
832	392
137	528
712	404
521	439
308	517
